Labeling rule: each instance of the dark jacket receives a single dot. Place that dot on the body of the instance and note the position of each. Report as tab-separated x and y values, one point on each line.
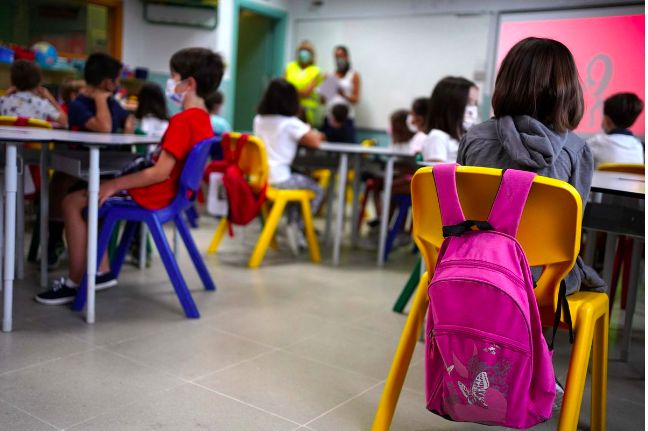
526	144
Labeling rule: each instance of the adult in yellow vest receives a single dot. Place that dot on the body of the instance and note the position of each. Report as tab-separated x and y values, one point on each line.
306	76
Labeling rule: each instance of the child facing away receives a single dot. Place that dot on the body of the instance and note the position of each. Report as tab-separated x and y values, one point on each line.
69	91
151	113
618	144
95	109
416	124
537	103
338	126
277	125
195	74
214	105
28	98
452	110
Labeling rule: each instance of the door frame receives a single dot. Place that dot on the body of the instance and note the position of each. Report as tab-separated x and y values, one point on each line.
279	45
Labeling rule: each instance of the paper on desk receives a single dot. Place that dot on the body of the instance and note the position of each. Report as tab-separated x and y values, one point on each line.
329	87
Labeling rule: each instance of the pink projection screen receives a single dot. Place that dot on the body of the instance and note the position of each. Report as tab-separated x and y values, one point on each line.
609	54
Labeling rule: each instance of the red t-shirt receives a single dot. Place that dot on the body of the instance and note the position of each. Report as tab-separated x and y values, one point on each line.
185	130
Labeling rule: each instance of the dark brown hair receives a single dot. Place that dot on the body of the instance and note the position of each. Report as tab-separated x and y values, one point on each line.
100	66
280	98
447	105
538	78
340	113
201	64
25	75
151	101
420	106
400	132
623	109
214	100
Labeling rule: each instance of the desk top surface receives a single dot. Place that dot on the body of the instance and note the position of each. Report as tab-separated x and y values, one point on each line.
31	134
619	183
359	149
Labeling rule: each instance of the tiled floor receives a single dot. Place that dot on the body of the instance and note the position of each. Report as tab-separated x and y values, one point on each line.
288	346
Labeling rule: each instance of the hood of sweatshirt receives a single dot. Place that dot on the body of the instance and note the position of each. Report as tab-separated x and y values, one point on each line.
529	142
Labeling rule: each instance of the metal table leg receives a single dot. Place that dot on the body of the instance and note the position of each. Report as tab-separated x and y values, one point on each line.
93	210
608	262
330	196
384	219
355	208
339	215
11	174
44	214
20	217
633	286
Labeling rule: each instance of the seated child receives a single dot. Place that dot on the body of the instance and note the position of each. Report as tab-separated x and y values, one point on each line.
220	125
28	98
416	123
195	73
95	109
69	91
338	127
617	144
277	125
151	114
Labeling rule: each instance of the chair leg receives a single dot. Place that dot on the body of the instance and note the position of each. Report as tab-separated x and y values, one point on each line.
599	373
311	238
194	253
179	284
627	264
264	217
402	359
267	233
578	361
119	255
223	225
105	236
409	289
403	208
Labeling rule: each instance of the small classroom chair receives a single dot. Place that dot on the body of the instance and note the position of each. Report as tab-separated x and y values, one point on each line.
117	209
628	168
254	164
549	233
403	204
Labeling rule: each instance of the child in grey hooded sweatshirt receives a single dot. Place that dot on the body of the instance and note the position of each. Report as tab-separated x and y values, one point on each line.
537	102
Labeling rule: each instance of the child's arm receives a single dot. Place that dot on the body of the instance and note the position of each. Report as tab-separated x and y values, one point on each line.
312	139
153	175
102	121
62	117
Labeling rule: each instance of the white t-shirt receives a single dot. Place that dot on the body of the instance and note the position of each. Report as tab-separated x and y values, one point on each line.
29	105
153	126
439	146
417	142
616	148
281	136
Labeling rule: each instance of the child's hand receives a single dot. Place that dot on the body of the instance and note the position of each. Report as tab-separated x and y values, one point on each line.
10	90
43	92
106	190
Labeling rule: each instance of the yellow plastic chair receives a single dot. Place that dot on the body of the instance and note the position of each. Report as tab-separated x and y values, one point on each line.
254	164
549	233
628	168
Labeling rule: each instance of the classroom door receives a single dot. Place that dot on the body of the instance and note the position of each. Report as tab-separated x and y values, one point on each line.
255	64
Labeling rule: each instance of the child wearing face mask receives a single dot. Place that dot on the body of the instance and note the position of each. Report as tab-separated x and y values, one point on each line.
452	110
195	74
416	124
306	76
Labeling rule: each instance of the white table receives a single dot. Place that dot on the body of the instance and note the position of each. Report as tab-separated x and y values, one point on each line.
619	184
357	150
11	137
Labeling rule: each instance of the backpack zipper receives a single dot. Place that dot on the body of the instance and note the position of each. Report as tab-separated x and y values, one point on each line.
476	333
508	273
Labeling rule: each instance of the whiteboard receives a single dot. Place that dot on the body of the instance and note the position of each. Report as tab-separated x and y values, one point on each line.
400	58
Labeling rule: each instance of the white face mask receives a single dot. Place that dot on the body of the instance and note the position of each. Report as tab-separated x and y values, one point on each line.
471	116
176	98
410	124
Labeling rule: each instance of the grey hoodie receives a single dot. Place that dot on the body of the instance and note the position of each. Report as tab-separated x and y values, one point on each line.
524	143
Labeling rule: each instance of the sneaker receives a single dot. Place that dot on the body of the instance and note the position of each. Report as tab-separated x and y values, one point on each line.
105	280
59	294
292	237
560	392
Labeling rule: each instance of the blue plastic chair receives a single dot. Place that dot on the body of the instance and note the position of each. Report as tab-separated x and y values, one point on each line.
118	209
403	204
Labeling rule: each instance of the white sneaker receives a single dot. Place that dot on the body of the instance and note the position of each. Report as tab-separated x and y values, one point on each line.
560	392
292	237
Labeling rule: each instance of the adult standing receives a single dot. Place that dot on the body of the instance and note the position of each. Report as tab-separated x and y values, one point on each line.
305	76
348	94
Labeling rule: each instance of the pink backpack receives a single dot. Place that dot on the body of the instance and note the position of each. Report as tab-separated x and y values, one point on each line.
486	358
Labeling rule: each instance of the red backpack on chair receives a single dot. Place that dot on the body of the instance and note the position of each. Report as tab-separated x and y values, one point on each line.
244	204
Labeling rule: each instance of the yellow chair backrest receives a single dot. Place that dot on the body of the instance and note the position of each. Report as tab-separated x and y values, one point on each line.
7	120
253	161
628	168
549	231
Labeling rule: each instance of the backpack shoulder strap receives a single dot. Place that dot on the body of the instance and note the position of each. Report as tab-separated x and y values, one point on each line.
446	187
232	154
509	203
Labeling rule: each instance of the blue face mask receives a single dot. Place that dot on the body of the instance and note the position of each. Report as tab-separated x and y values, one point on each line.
176	98
304	56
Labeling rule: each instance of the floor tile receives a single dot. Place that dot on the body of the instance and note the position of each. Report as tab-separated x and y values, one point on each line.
293	387
67	391
14	419
186	408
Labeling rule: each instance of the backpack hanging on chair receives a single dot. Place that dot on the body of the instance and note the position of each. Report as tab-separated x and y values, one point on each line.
243	204
486	358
